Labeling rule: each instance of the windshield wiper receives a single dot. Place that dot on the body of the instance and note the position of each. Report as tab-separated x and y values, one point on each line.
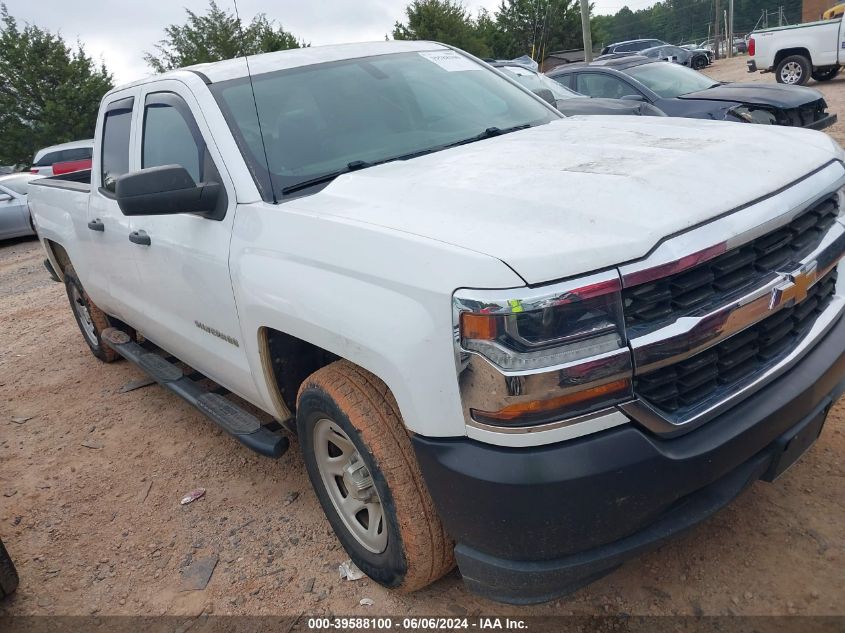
490	132
355	165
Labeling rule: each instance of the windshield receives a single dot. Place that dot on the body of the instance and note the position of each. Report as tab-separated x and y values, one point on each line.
333	117
535	81
670	80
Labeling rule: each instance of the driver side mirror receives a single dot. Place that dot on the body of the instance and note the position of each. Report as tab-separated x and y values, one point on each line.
165	190
546	95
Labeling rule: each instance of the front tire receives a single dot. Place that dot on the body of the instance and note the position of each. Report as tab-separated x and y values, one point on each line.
794	70
362	466
826	75
699	62
91	320
8	573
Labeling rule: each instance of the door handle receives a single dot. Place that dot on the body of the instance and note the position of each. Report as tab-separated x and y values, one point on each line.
97	225
139	237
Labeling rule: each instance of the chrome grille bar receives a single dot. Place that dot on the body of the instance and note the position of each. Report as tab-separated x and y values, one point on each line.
691	335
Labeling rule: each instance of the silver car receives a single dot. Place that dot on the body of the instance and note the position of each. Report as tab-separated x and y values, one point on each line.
15	220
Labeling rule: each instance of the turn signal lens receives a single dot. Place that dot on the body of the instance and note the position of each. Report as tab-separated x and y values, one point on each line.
478	326
540	411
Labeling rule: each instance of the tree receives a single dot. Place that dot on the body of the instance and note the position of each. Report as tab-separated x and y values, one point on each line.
49	93
541	26
216	35
444	21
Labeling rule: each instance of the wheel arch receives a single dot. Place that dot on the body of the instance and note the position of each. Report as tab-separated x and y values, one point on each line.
789	52
286	361
57	255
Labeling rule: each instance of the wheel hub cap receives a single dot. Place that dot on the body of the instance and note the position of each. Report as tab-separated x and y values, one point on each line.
81	309
349	484
791	73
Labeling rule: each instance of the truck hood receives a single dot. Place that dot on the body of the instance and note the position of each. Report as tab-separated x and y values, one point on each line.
759	94
579	194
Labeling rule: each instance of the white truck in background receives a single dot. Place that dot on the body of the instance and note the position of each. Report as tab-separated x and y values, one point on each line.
799	52
529	344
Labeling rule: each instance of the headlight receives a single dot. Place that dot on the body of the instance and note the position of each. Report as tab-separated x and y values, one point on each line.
560	351
753	114
571	324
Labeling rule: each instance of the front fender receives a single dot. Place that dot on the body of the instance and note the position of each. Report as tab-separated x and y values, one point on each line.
376	297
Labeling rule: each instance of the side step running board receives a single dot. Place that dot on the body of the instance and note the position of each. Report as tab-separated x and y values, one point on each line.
240	424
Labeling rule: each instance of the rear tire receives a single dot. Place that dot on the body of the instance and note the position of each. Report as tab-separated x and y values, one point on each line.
8	573
794	70
345	416
826	75
91	320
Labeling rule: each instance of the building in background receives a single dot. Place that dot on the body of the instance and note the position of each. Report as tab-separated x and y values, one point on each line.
813	10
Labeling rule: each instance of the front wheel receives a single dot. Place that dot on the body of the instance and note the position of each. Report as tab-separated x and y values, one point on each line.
8	573
699	62
794	70
826	75
362	466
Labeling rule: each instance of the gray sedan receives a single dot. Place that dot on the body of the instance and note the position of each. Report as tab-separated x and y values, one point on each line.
15	220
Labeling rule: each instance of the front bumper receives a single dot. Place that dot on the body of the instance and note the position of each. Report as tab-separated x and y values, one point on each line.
535	523
825	122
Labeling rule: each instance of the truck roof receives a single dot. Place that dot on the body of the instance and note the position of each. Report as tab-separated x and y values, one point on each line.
293	58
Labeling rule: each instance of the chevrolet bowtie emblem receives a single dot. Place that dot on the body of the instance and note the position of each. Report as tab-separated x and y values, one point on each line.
795	287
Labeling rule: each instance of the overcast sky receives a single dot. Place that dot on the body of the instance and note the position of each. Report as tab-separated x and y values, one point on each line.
119	31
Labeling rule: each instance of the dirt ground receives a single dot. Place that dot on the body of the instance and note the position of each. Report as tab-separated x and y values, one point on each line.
99	528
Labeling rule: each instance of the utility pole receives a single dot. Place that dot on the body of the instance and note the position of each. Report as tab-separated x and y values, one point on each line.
585	31
718	13
730	28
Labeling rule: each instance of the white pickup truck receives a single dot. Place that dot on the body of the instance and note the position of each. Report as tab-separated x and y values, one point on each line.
796	53
529	344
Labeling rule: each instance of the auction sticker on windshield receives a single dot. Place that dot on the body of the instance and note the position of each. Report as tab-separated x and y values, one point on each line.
450	60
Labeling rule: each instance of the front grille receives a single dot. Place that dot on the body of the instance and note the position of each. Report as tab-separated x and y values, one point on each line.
648	306
679	387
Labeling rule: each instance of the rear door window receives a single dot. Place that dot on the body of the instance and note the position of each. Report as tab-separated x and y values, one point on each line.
565	80
117	125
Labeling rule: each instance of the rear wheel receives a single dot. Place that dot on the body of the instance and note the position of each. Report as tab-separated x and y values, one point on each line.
91	320
8	573
361	464
826	75
794	70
